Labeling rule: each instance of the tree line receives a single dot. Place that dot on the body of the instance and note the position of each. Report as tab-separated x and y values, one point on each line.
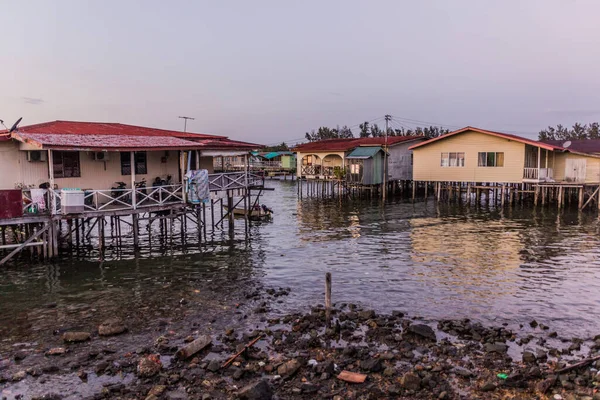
367	129
578	131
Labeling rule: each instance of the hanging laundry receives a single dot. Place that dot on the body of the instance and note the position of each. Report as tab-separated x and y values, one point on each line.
38	197
197	186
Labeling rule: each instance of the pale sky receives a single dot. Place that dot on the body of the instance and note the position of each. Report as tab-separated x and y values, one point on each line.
267	71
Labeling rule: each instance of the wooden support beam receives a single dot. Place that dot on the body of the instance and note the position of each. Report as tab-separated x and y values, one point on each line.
560	197
25	244
136	228
591	198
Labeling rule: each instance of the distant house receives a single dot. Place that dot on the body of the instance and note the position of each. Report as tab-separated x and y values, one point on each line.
323	159
365	165
478	155
267	161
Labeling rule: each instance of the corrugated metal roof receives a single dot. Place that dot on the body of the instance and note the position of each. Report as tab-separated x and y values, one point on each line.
107	128
115	136
364	152
274	154
348	144
226	144
590	146
492	133
103	142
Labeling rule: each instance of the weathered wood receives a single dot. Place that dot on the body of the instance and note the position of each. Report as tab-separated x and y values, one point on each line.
328	298
560	197
579	364
236	355
136	229
23	245
193	347
352	377
591	197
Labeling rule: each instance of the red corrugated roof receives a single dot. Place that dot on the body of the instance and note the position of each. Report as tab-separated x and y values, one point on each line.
115	136
497	134
225	144
103	142
107	128
588	146
349	144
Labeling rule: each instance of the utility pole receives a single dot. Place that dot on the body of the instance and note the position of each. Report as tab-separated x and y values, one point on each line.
385	149
185	120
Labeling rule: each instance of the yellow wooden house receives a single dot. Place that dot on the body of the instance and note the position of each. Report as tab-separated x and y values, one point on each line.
473	155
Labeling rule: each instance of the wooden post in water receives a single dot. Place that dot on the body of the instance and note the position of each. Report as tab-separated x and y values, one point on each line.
598	202
580	205
560	197
135	226
544	190
230	211
414	190
101	235
328	298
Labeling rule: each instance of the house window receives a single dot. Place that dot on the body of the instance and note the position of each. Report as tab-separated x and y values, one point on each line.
309	160
355	168
490	159
66	164
453	160
141	166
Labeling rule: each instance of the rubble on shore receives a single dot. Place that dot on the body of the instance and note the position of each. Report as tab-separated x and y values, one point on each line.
300	356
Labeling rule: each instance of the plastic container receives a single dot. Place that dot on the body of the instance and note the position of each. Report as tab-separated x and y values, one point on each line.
72	201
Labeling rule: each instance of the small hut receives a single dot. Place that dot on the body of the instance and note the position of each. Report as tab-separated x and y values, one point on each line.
365	166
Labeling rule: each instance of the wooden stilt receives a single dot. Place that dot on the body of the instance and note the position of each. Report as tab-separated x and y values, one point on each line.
135	228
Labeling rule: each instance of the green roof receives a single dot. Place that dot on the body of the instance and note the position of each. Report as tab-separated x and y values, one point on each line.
364	152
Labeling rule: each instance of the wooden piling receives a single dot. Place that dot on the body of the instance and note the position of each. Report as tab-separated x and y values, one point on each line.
135	228
560	197
328	298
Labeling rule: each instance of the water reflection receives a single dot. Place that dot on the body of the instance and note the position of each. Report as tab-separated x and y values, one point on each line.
441	260
434	260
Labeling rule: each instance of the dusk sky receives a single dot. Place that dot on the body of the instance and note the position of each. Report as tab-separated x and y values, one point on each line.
268	71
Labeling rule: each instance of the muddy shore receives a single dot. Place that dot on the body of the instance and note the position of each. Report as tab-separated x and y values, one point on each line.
297	356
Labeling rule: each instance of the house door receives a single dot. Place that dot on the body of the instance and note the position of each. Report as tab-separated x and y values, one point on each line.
575	170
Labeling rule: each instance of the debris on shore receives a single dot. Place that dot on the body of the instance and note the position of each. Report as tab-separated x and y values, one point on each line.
360	355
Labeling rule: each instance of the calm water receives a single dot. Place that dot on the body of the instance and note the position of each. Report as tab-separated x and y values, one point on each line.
432	261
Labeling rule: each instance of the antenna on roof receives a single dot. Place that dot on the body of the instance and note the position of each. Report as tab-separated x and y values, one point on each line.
15	125
185	119
566	144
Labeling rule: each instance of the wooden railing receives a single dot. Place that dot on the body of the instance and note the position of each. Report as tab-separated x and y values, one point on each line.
311	170
538	174
151	196
530	173
233	180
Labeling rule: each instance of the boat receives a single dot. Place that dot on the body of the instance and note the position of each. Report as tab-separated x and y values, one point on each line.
257	213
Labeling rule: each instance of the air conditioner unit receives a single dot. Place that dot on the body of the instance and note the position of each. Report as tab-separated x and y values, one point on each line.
36	156
101	156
